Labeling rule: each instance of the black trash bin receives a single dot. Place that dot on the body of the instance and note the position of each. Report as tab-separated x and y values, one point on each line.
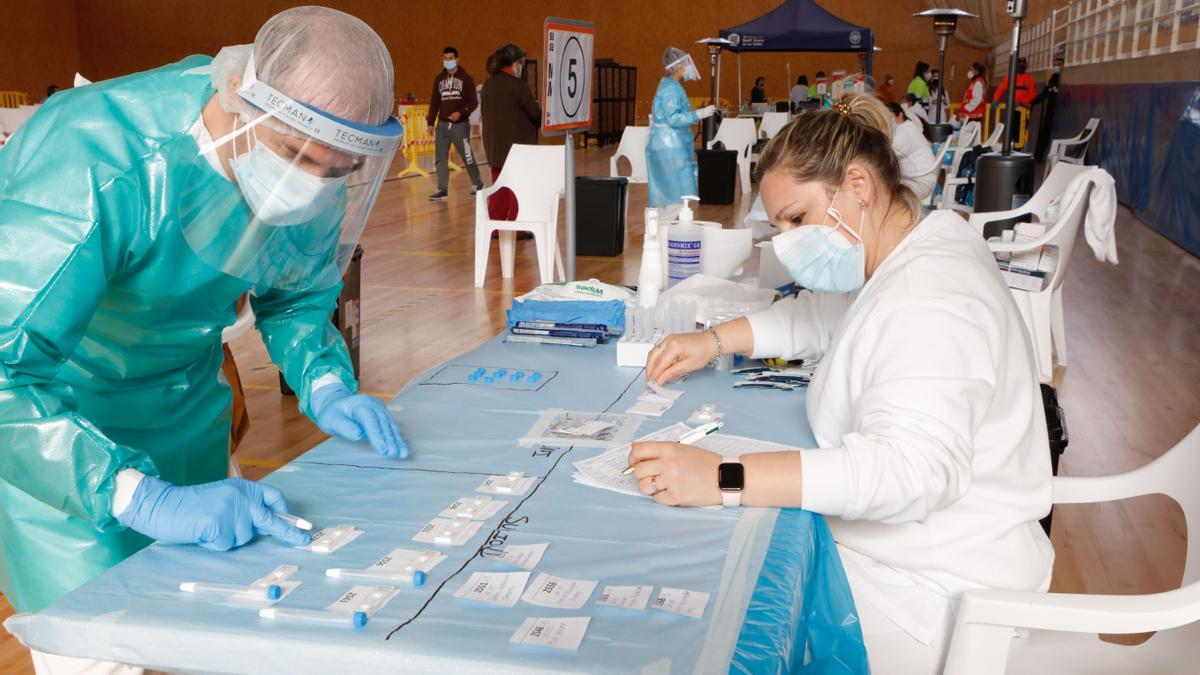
717	178
347	316
600	205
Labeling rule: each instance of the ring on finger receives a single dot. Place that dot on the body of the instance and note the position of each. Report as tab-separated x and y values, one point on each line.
654	485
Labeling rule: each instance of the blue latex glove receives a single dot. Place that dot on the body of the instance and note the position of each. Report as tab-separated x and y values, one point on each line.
357	418
220	515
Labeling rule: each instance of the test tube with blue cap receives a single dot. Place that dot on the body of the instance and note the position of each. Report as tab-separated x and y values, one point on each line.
270	591
357	619
408	575
535	377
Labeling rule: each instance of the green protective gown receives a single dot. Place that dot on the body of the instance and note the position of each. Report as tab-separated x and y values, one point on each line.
110	326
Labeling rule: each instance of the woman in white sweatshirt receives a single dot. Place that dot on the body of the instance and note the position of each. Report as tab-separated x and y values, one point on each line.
931	459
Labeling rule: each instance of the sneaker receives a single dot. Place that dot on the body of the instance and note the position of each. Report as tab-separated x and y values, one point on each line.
477	188
439	196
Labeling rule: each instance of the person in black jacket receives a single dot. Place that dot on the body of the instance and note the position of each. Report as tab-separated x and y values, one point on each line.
510	115
1049	96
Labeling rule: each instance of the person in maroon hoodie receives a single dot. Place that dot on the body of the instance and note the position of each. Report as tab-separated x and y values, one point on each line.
450	107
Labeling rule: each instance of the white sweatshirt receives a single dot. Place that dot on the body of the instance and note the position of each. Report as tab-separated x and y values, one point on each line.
932	457
917	161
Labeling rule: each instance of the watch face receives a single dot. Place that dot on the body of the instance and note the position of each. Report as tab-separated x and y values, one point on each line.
731	476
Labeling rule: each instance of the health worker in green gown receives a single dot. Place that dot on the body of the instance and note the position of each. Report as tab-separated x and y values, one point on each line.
133	214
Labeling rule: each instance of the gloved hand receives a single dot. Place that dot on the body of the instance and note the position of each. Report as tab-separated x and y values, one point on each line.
357	418
706	112
220	515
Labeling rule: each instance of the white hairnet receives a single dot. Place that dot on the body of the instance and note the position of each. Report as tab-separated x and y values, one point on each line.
320	56
672	56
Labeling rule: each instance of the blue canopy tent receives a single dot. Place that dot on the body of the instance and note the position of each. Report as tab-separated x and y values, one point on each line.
800	26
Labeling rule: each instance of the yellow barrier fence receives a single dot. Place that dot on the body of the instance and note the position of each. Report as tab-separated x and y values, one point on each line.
995	114
418	142
13	99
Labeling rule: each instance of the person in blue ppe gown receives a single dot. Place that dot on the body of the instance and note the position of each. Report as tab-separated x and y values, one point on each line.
133	214
670	150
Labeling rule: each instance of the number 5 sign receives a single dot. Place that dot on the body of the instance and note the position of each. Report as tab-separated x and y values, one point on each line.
567	87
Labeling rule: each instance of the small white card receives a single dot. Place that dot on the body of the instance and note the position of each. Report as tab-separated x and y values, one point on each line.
626	597
369	599
408	560
480	507
559	633
447	531
525	556
551	591
657	392
680	601
507	485
279	576
495	588
648	408
331	539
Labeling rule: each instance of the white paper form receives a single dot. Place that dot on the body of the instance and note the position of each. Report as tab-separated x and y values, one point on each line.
494	588
681	601
736	446
551	591
604	470
559	633
655	401
626	597
525	556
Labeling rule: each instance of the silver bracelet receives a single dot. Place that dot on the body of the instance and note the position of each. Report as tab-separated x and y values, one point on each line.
720	350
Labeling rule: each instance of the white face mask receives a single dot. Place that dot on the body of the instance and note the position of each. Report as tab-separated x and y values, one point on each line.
281	194
518	68
970	74
928	76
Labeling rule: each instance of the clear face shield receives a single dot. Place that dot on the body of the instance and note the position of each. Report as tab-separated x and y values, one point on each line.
690	73
305	183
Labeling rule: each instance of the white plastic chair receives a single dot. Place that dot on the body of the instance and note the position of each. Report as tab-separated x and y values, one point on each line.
772	123
937	167
968	137
1074	149
1043	310
1042	203
994	141
738	133
536	174
1064	624
633	148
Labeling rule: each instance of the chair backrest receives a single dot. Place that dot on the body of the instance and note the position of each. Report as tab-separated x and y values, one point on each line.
1173	474
1064	232
997	134
772	123
736	133
937	159
537	175
1077	148
1052	187
633	147
968	136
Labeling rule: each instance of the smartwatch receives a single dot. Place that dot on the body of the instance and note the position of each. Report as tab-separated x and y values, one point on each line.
731	479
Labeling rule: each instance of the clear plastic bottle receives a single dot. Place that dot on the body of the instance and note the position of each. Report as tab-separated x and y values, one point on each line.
684	244
650	275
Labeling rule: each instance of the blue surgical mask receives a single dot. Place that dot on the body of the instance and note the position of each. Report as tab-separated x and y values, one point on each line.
450	64
820	258
281	194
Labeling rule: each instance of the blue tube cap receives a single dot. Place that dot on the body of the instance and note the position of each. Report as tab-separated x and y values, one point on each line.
472	377
274	592
418	578
360	619
500	372
488	380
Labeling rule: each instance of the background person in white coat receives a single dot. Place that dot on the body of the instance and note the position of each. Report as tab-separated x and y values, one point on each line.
931	459
916	157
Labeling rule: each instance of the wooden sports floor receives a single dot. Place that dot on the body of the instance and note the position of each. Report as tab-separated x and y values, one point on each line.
1131	389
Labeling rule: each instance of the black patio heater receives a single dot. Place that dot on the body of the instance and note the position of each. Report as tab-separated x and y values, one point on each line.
715	45
1004	180
945	21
